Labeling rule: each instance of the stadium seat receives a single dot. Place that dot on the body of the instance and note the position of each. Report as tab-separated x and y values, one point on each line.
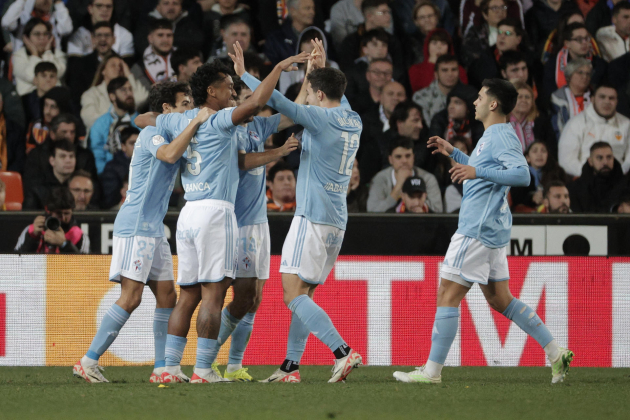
15	195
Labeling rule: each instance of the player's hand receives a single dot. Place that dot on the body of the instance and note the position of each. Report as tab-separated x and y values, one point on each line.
54	237
38	225
460	173
440	145
203	115
290	145
318	55
238	58
287	65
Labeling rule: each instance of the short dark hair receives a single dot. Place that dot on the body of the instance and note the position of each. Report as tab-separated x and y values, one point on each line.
514	23
329	80
232	19
622	5
45	66
568	30
80	173
440	35
32	23
127	132
64	118
554	183
401	113
446	58
102	24
116	84
504	92
166	92
155	24
182	56
239	85
278	167
378	34
63	144
605	86
600	145
253	62
207	75
60	198
510	58
400	141
372	4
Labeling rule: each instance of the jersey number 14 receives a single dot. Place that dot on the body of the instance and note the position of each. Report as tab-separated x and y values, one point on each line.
350	143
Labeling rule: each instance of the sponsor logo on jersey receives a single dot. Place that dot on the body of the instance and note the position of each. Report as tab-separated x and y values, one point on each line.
157	139
480	148
196	186
336	188
284	263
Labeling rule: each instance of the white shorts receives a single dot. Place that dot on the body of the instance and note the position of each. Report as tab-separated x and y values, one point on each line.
254	251
206	242
141	259
310	250
469	260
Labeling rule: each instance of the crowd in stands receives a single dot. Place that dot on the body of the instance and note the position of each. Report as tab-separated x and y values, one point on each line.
75	74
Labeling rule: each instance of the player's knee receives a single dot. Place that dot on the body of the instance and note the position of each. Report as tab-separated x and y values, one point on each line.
167	299
257	302
497	303
131	301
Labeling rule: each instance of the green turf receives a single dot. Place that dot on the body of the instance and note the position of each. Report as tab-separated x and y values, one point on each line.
370	393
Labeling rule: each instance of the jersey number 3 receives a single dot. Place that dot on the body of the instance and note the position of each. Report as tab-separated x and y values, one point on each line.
350	143
193	167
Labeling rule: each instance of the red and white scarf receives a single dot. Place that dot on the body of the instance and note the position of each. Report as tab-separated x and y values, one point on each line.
524	131
156	67
574	106
561	63
457	128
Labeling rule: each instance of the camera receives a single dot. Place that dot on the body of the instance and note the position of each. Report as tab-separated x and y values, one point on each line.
52	223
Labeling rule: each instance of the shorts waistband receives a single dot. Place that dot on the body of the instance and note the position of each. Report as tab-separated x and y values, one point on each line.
208	202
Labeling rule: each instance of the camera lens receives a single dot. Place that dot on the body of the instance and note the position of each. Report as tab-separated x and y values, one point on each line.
52	223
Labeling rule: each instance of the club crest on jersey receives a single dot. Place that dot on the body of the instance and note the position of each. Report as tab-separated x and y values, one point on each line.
137	266
618	135
254	136
480	149
157	139
247	263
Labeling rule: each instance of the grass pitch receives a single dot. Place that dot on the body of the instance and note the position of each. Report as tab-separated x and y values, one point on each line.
370	393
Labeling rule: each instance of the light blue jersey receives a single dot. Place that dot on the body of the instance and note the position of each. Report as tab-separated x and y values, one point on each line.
150	186
329	146
251	198
210	169
499	164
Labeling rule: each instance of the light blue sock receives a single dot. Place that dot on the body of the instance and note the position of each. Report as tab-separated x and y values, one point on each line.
111	324
174	350
298	335
444	331
207	350
228	324
528	321
160	328
240	339
316	321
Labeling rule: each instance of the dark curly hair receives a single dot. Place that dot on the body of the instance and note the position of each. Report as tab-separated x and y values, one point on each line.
166	92
206	75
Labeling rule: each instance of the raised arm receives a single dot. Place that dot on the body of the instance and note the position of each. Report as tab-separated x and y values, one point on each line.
175	149
247	161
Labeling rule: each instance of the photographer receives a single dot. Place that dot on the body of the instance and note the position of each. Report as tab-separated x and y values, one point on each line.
56	232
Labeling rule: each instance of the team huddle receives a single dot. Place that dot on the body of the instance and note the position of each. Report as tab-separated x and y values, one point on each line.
223	235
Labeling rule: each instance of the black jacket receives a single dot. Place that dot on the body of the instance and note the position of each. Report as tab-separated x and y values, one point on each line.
369	155
541	20
599	16
16	146
81	71
112	178
350	50
594	194
187	34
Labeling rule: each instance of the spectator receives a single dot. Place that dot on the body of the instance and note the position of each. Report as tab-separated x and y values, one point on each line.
556	199
577	44
83	68
345	18
378	74
212	18
458	118
555	40
62	127
105	134
618	74
483	35
57	232
122	12
377	14
413	197
471	13
600	15
233	28
405	16
570	100
281	44
18	15
529	124
514	67
86	38
39	45
438	43
117	170
185	62
386	187
357	192
599	122
62	163
56	101
95	101
12	150
454	192
426	16
622	206
185	29
392	94
12	103
593	191
543	18
432	99
614	40
281	192
82	189
543	169
155	65
44	80
3	195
